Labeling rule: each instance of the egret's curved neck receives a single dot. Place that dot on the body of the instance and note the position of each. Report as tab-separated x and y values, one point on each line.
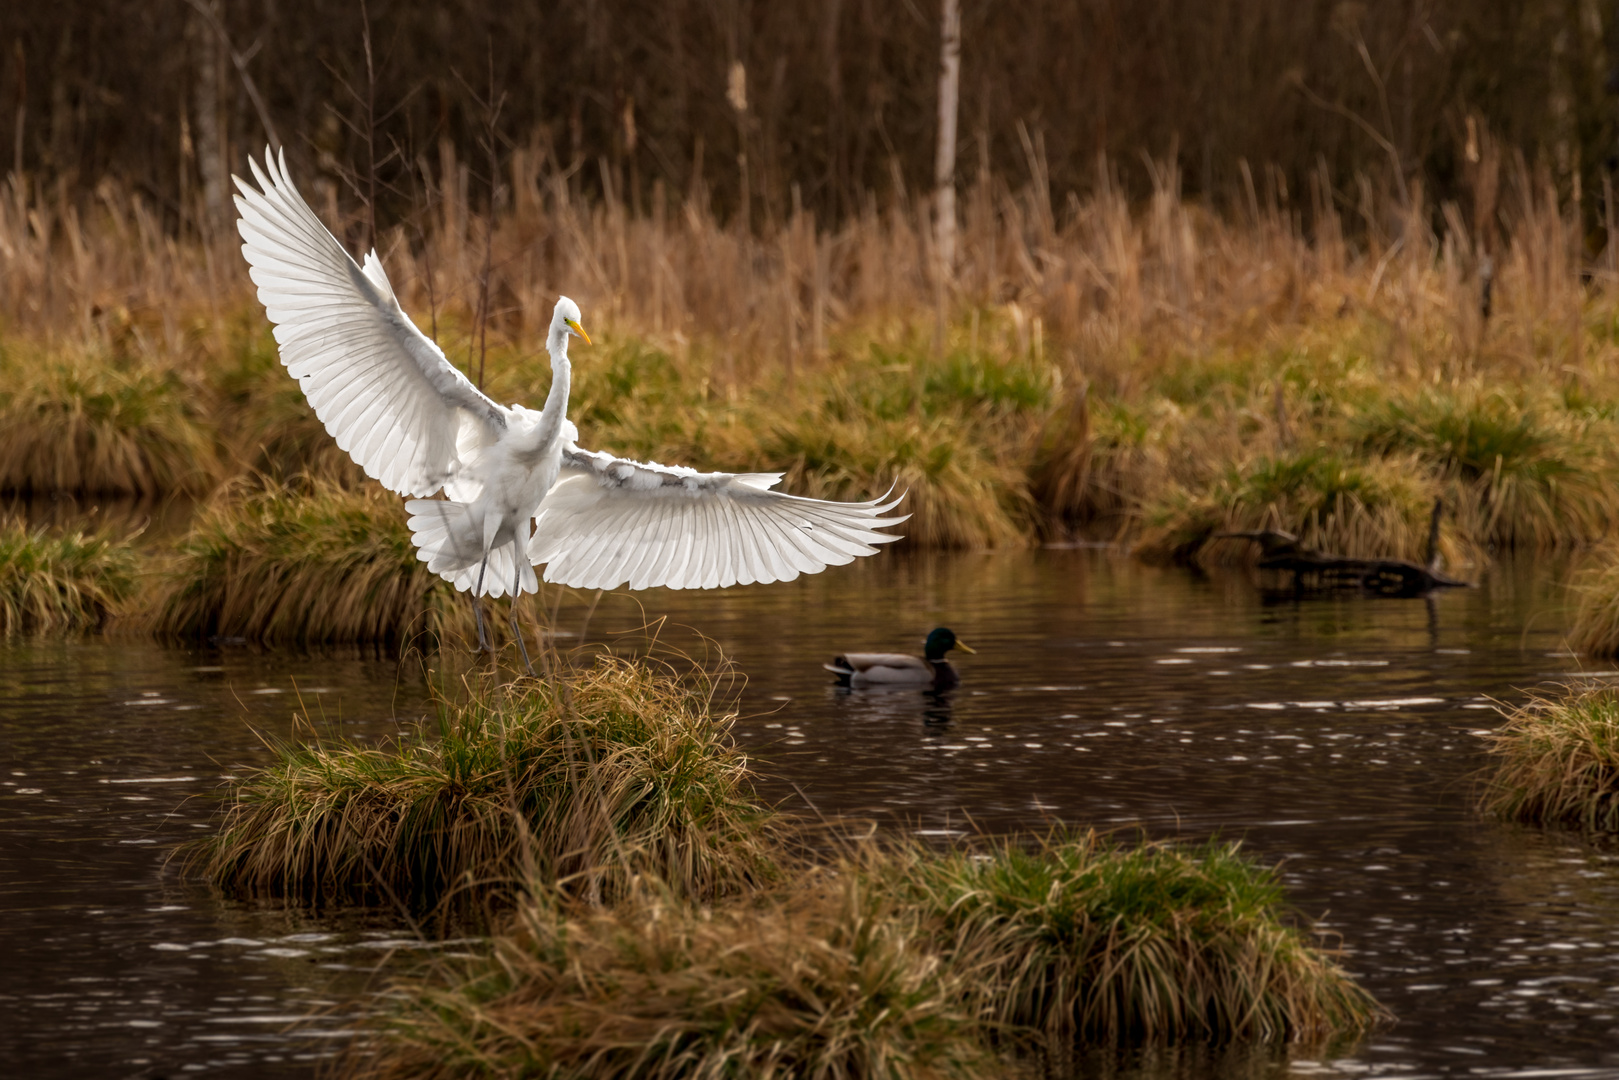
556	402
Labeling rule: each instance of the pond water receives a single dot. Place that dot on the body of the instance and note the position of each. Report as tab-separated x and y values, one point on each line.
1337	735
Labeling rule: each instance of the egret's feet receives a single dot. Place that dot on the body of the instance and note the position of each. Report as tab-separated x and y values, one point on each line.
484	644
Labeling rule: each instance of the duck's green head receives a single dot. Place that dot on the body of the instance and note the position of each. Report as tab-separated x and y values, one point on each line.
942	641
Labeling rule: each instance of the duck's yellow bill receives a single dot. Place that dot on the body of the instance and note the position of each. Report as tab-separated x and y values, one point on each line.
579	330
964	647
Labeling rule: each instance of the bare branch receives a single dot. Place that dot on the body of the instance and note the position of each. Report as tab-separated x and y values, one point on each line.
1384	142
240	61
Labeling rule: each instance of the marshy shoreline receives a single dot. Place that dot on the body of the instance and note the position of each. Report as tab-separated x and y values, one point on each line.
649	916
1147	376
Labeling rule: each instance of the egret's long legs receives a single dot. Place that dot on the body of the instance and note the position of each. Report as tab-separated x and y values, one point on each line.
517	631
477	606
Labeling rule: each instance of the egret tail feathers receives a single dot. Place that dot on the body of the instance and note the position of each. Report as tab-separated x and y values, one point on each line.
451	542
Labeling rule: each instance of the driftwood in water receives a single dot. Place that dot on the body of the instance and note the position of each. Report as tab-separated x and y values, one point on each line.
1388	577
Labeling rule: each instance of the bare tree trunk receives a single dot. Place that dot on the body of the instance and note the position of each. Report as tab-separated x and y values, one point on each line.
211	17
736	92
206	105
22	110
944	165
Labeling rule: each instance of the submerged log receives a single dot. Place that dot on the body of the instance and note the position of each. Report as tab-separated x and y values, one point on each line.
1387	577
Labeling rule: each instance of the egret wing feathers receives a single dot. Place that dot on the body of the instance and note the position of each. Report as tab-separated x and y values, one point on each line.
609	521
385	392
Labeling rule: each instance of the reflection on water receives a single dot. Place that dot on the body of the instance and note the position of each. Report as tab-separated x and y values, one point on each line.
111	966
1337	735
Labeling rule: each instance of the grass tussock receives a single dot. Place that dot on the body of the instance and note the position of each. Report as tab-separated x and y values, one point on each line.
828	981
1525	477
1079	937
1595	631
584	780
93	425
1556	761
309	564
957	491
62	581
895	961
1358	508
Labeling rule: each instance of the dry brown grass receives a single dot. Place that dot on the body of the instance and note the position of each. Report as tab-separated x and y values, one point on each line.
825	980
91	424
1596	619
308	564
52	582
894	960
1208	352
580	781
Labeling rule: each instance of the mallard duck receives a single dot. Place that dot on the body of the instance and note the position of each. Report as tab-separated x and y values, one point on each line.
901	669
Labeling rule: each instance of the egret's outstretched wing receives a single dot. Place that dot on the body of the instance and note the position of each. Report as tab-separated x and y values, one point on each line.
609	521
382	388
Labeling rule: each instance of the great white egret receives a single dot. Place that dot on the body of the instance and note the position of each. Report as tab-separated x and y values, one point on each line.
519	490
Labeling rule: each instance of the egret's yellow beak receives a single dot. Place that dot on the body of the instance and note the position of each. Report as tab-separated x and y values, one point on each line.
578	330
964	647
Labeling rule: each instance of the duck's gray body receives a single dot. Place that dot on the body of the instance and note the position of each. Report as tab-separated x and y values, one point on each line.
891	669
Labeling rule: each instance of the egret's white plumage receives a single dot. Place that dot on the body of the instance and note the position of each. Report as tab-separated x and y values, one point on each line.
610	522
385	392
392	400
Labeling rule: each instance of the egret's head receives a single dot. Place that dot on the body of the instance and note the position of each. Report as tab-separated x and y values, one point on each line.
942	641
567	318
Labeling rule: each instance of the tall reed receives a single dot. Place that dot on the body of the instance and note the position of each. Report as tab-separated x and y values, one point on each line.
1215	356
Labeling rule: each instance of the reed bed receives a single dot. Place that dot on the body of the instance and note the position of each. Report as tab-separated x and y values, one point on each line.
895	960
61	581
1152	374
92	424
316	563
581	781
1556	761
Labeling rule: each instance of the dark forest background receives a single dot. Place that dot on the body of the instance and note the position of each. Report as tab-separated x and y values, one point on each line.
822	101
